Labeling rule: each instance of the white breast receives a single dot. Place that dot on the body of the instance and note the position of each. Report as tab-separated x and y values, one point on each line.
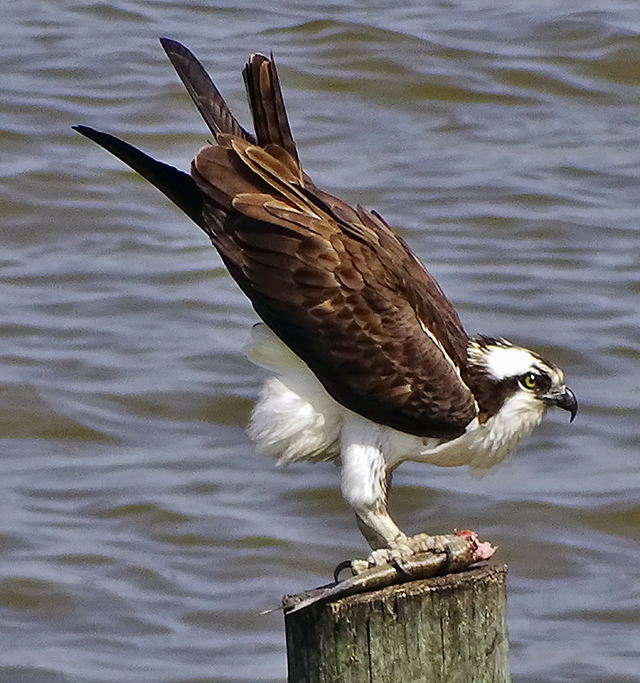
296	419
485	445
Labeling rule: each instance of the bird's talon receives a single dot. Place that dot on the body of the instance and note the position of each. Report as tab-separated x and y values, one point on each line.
448	551
346	564
397	564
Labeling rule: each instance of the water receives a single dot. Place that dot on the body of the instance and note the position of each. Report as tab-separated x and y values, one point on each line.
140	535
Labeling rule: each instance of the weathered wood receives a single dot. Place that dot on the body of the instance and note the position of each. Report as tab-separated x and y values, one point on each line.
445	629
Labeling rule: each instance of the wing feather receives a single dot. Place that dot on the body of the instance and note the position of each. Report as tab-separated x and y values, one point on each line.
346	297
333	282
203	92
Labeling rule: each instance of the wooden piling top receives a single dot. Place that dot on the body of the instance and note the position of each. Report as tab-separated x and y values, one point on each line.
444	629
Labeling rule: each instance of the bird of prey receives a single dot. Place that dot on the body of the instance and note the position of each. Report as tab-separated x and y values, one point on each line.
371	365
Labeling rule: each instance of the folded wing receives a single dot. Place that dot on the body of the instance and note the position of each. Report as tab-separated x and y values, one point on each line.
333	282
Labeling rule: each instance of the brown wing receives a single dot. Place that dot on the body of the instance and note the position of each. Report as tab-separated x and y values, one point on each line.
338	288
334	283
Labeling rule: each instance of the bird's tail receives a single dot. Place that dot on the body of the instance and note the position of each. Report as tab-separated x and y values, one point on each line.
267	109
270	119
205	95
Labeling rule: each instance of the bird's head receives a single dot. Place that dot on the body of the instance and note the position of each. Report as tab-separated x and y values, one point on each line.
515	371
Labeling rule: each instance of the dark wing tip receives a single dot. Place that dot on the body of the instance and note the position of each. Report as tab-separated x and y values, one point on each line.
173	47
177	185
101	139
203	92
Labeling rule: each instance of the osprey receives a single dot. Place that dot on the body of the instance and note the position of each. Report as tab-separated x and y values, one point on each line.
371	365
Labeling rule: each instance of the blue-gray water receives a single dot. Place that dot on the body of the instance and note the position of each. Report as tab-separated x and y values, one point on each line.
140	535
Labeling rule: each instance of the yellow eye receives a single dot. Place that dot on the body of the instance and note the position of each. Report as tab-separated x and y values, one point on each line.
530	380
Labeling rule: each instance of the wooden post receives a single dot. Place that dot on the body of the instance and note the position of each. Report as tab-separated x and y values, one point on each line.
445	629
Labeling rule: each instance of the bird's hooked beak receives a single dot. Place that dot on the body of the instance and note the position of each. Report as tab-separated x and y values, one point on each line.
564	398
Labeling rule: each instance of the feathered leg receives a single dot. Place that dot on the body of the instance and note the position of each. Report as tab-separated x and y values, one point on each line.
365	478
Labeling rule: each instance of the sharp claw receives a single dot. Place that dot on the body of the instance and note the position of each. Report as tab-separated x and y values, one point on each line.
448	551
340	568
397	563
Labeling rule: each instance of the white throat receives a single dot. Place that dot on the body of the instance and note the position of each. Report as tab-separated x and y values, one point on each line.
484	445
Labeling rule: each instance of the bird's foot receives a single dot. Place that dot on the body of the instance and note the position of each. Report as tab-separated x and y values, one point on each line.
420	557
450	551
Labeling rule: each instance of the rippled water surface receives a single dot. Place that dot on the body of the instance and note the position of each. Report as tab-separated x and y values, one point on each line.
140	534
